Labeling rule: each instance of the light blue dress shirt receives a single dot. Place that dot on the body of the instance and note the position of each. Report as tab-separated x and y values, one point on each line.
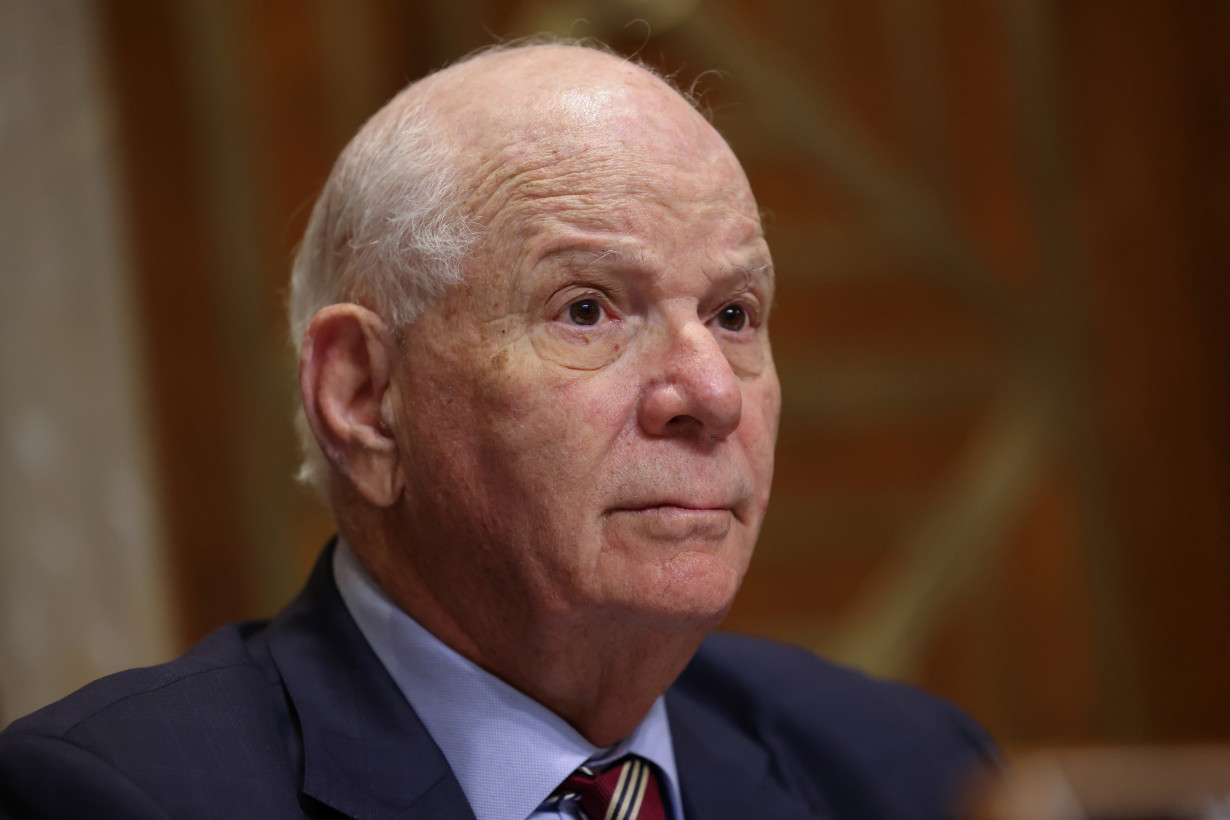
508	751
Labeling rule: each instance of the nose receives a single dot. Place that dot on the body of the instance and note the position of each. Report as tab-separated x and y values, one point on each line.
692	390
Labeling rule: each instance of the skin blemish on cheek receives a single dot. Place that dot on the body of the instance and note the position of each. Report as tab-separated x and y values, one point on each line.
500	360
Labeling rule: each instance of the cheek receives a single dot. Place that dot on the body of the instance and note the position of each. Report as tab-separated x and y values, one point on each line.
582	419
748	358
773	409
551	427
761	412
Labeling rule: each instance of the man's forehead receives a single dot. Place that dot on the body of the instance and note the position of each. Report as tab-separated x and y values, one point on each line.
556	139
610	187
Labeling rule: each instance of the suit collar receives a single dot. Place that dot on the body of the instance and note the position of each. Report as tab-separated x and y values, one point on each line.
365	751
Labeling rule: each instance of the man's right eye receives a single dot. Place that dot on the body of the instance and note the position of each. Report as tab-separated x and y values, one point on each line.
585	312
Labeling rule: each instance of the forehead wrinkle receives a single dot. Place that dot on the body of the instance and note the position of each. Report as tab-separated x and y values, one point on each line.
534	167
518	187
536	205
747	254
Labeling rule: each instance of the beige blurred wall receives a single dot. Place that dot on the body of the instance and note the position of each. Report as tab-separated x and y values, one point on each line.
81	578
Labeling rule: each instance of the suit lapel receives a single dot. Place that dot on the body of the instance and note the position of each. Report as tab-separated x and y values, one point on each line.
722	773
365	751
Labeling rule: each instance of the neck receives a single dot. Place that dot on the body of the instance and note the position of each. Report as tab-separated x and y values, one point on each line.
599	670
604	686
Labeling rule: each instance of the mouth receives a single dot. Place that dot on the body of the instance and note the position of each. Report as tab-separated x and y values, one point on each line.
672	521
669	509
675	507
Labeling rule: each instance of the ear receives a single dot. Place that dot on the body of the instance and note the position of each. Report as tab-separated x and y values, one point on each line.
345	373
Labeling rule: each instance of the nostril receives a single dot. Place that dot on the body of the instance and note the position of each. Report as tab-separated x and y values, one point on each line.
683	422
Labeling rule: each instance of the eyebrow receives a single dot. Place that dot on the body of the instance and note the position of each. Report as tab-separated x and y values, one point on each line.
750	271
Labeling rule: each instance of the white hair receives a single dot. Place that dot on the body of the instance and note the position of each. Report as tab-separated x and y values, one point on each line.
387	232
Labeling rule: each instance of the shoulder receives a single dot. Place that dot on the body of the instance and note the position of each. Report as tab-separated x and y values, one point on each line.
175	689
833	730
779	678
155	736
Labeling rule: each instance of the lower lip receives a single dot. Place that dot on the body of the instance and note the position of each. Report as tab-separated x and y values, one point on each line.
670	523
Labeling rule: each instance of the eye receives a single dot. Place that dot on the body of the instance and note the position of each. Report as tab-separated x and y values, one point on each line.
585	312
732	317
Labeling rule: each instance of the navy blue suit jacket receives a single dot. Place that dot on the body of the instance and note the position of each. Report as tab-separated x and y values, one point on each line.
297	717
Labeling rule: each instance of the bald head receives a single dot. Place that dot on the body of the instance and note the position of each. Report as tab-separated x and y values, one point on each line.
553	92
515	117
498	137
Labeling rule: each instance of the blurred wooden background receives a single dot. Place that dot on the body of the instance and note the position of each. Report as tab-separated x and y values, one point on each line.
1002	231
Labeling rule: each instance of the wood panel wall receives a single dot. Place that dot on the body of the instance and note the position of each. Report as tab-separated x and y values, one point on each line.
1001	234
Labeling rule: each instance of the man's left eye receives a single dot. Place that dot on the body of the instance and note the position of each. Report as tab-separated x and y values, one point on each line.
585	312
732	317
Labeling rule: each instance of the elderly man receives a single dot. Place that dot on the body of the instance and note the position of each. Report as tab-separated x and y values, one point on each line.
533	302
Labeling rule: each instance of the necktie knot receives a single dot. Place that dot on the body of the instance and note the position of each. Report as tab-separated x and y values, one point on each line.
626	790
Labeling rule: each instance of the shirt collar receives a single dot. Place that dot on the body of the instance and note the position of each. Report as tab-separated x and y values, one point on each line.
508	751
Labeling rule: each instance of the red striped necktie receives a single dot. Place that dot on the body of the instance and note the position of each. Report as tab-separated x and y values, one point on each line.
626	790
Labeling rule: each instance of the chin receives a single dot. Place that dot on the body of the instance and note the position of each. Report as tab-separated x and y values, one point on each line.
693	589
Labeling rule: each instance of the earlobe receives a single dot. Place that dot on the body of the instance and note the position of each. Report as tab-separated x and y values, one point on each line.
345	375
